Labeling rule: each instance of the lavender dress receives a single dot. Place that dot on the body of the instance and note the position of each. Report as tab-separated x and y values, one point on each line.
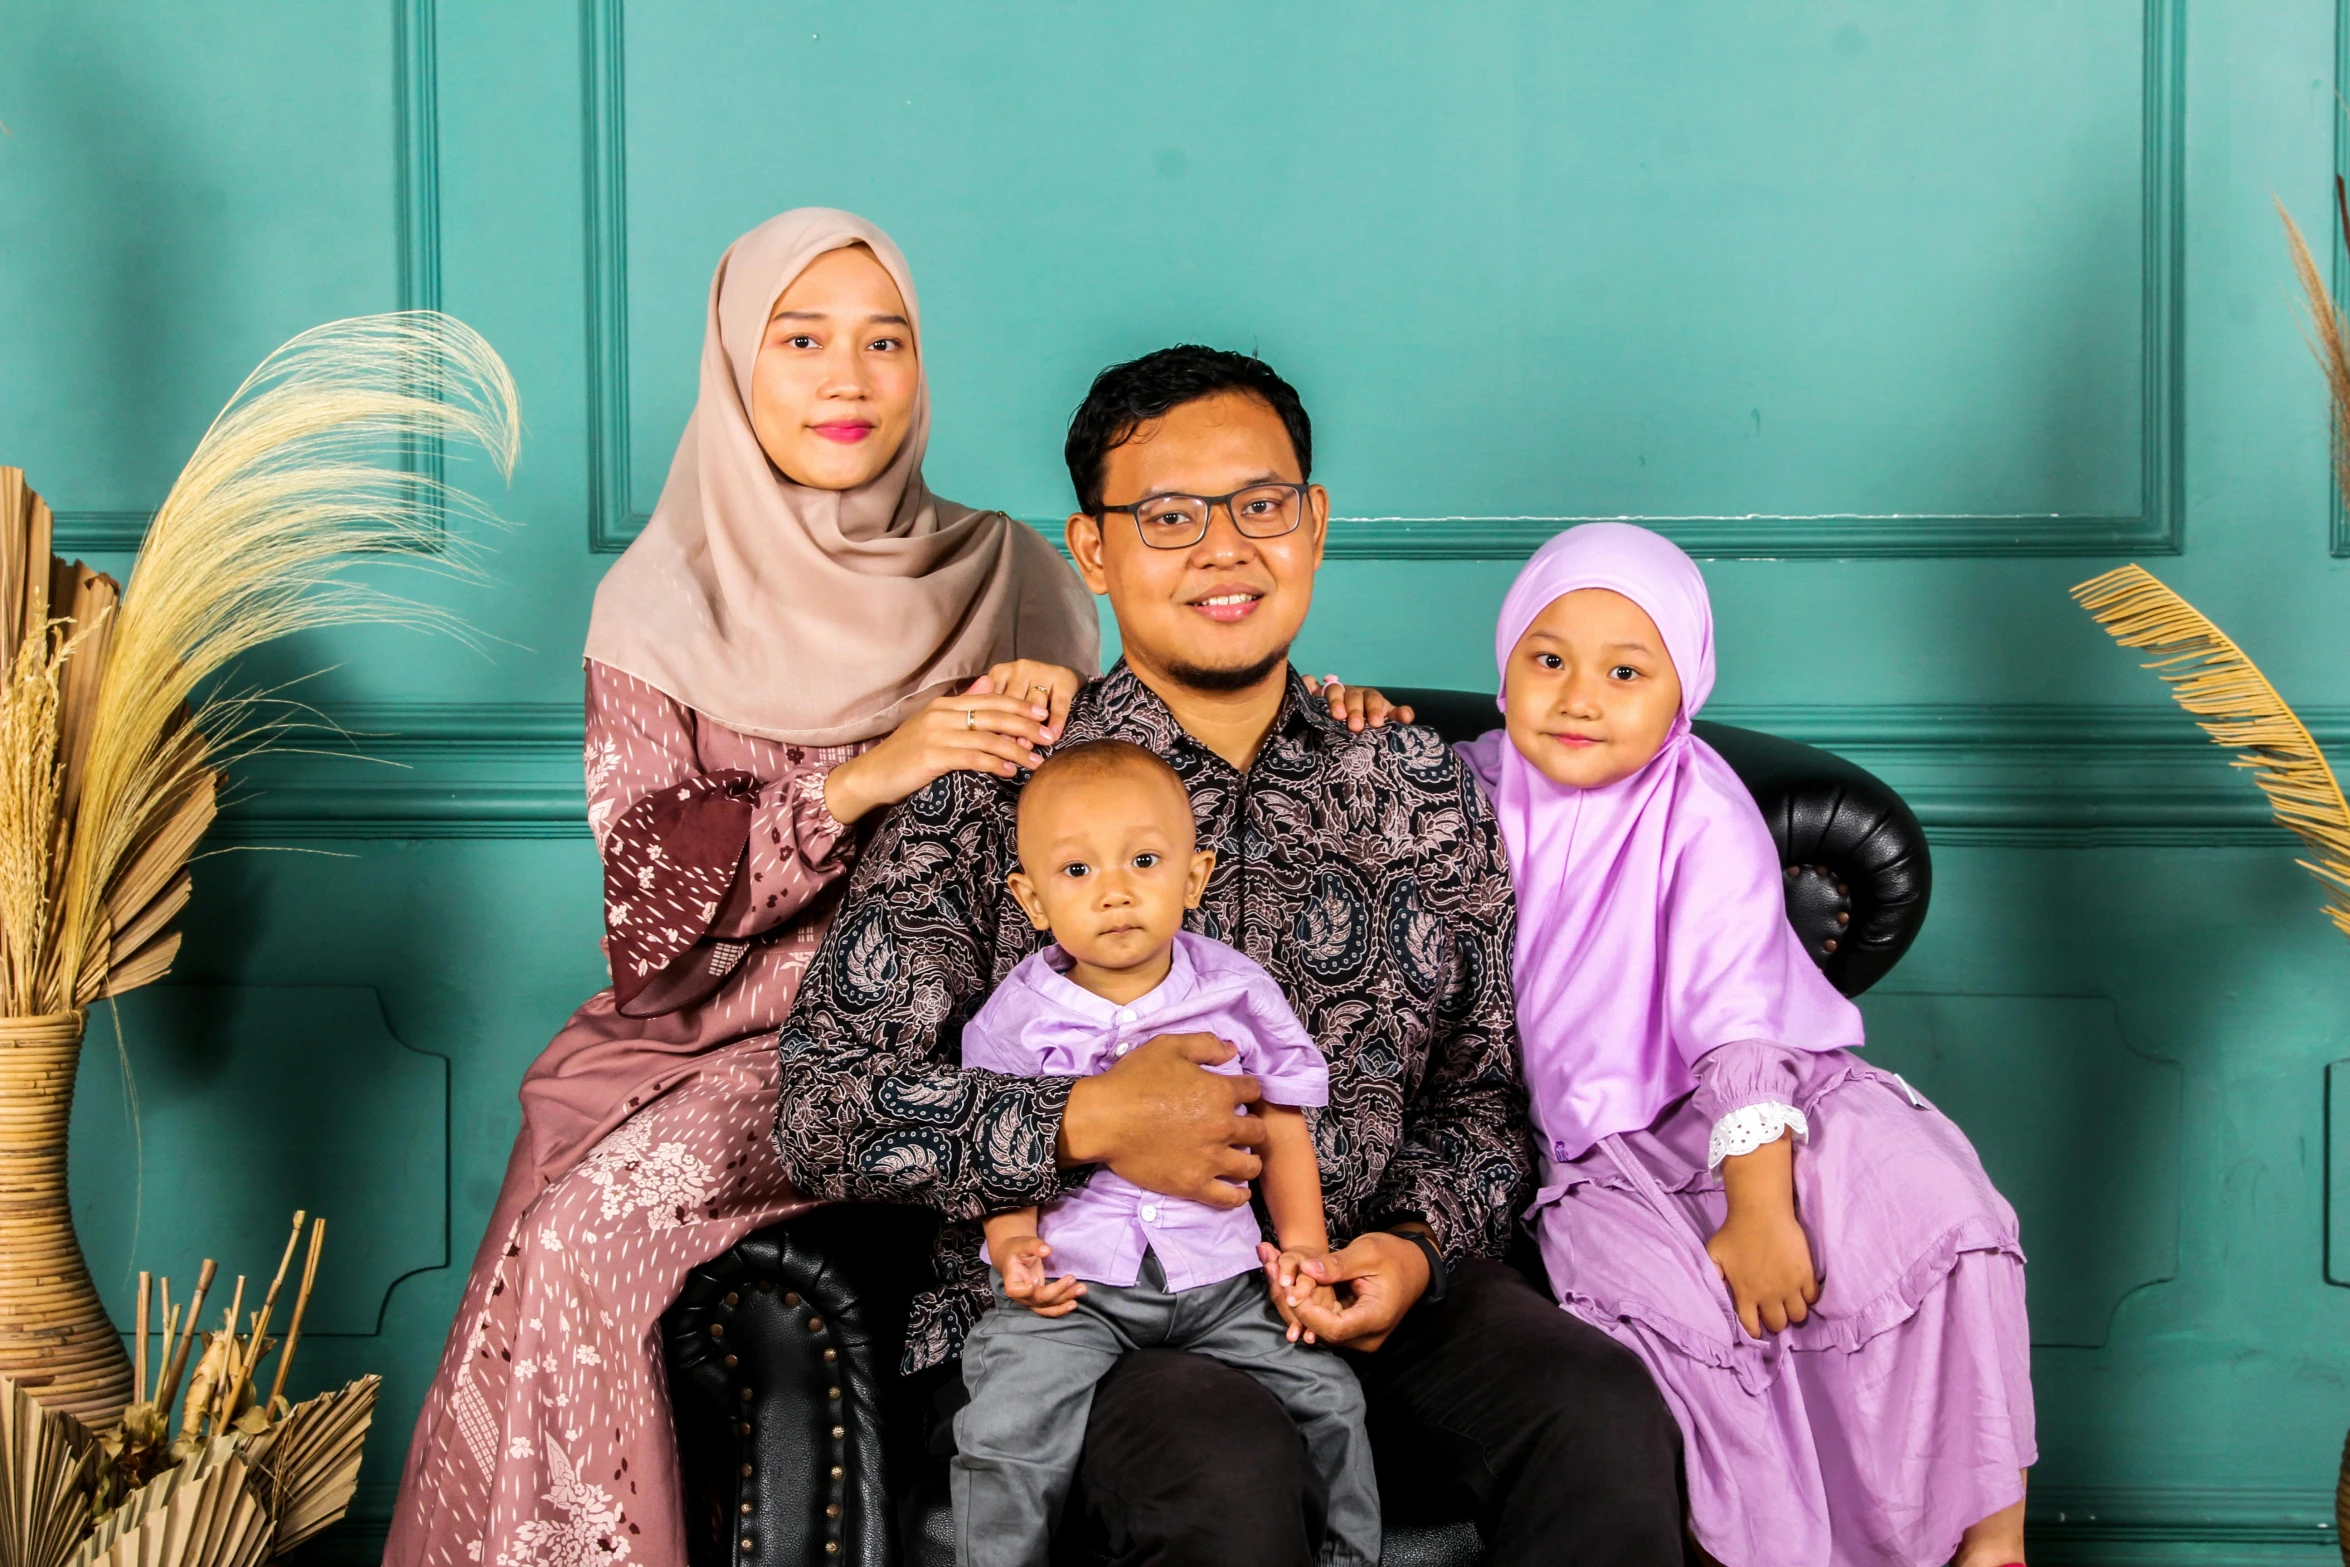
1901	1412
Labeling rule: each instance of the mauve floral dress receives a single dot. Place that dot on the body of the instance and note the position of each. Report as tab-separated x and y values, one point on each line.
546	1437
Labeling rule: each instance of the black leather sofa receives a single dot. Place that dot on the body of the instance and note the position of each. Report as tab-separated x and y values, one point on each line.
802	1447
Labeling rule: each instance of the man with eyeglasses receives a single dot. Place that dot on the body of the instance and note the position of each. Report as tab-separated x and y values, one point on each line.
1364	871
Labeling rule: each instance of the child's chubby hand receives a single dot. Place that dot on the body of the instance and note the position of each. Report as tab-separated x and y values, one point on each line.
1765	1259
1291	1286
1021	1260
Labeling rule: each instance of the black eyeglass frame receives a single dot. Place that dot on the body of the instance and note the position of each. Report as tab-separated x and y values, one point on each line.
1208	517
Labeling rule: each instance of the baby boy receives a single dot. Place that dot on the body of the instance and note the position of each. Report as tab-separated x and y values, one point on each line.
1108	865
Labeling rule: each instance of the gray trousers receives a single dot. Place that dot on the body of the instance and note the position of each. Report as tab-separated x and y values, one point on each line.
1031	1381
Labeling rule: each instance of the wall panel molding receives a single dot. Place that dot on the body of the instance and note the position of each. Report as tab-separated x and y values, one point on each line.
2157	528
2048	776
2200	1524
604	142
417	151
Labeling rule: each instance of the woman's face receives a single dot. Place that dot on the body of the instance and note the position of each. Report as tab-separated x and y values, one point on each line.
1590	692
832	391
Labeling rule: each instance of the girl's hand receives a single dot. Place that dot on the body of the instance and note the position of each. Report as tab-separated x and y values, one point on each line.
1360	707
1292	1286
1021	1261
979	731
1760	1250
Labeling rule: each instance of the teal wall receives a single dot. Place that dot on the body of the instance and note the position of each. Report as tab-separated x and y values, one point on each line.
1907	315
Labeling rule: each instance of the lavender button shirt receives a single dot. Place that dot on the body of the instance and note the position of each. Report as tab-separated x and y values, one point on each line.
1038	1024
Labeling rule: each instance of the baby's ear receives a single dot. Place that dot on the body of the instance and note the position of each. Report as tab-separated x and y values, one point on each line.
1195	884
1031	905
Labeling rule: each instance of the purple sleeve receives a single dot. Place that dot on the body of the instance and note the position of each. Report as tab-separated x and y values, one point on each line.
991	1042
1754	1072
1278	1051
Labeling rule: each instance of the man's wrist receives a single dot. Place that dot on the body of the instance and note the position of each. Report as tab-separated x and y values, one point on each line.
1415	1233
1079	1141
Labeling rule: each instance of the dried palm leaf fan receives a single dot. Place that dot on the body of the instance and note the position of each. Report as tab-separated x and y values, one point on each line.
45	1460
113	731
247	1479
2212	678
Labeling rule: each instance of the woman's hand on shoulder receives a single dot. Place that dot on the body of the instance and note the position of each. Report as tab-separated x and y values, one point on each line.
1049	684
1361	707
995	725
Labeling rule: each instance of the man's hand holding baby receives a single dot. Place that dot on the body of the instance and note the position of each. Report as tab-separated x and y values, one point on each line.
1160	1119
1294	1288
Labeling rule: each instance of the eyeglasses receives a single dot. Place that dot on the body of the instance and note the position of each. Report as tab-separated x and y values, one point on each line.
1177	522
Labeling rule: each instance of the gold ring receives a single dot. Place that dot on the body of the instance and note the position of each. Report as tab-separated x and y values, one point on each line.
970	718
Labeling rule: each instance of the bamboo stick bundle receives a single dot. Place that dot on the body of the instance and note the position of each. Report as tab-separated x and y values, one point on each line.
250	1357
169	1389
139	1358
285	1360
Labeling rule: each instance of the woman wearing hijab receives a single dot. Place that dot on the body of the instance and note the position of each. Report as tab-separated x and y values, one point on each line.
1806	1254
803	634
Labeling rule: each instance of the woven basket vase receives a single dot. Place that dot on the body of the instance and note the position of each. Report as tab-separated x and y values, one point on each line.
55	1340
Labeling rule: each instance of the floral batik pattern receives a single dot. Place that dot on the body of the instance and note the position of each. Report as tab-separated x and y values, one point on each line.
1364	871
555	1374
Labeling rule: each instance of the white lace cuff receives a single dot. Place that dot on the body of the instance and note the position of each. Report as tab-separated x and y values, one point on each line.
1750	1127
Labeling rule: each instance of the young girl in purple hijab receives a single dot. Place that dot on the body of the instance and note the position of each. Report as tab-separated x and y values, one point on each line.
1807	1255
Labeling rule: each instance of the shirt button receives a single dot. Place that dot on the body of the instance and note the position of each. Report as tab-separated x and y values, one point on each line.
1122	1049
1150	1215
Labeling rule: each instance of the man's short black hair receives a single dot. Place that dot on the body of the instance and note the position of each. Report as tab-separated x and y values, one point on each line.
1125	397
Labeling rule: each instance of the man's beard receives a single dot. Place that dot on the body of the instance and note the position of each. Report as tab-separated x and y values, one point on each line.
1200	678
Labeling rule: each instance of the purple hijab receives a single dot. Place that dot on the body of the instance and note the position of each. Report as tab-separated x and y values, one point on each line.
1652	923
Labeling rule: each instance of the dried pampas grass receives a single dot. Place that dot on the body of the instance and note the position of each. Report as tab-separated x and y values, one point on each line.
111	739
2329	337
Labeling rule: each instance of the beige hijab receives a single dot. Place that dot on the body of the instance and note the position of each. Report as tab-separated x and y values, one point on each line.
820	616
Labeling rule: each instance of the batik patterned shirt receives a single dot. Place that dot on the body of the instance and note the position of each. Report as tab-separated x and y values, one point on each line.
1363	871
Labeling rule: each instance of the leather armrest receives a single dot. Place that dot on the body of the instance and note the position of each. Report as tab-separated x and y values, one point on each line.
783	1357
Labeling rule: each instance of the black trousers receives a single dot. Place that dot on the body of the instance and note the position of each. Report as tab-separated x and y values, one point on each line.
1493	1405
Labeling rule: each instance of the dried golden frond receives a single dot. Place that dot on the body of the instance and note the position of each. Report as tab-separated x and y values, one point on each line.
2212	678
295	480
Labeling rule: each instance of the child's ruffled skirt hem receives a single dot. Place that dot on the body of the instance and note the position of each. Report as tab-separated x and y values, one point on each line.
1901	1412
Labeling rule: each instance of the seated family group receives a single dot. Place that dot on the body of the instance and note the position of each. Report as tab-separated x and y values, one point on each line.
1325	1123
